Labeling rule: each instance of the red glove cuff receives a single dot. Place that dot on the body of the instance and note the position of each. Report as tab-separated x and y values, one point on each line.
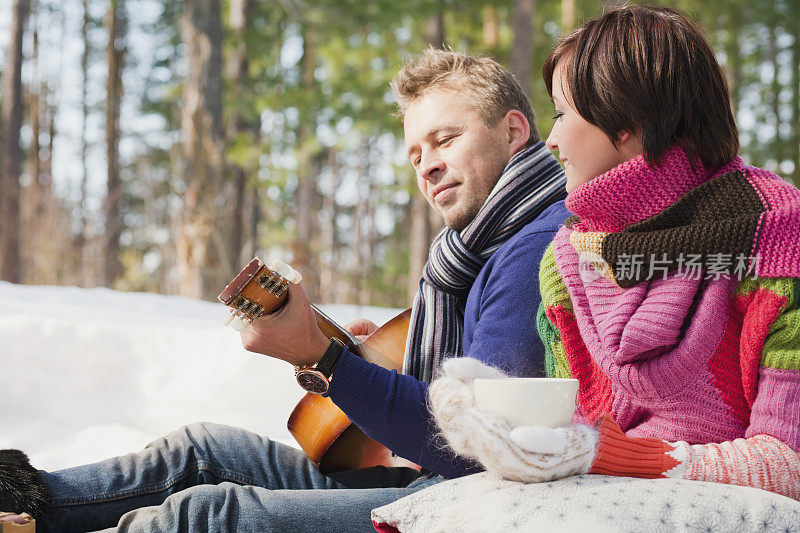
620	455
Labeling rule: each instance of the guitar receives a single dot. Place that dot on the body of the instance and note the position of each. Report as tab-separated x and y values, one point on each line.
322	430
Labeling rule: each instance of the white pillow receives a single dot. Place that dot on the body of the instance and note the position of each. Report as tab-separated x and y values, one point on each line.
483	502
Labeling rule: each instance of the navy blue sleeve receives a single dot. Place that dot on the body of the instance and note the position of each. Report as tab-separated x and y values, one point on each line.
392	408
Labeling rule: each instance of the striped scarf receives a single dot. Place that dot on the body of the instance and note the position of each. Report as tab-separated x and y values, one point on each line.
531	181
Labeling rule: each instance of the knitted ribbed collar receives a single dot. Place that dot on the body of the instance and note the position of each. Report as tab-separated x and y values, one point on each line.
634	191
661	216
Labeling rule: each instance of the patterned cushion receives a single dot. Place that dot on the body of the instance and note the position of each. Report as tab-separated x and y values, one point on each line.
483	502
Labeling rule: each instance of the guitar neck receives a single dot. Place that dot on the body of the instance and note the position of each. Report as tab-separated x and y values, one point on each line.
259	290
331	329
368	351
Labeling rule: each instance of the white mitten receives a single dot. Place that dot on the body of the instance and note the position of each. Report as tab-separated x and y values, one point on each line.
527	453
467	369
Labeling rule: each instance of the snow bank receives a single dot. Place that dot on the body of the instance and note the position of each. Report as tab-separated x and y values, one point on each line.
92	373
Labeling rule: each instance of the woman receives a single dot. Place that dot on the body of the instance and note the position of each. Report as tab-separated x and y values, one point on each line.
673	294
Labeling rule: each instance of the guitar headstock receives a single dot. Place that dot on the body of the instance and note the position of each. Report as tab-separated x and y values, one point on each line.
258	289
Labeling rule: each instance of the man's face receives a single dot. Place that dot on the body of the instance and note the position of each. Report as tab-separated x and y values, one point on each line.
457	157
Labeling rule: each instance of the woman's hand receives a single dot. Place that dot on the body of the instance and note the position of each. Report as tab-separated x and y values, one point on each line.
528	453
290	334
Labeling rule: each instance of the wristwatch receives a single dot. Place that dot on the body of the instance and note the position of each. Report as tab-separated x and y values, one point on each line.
316	378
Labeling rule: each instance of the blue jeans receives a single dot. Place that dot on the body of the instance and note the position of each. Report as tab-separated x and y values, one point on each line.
208	477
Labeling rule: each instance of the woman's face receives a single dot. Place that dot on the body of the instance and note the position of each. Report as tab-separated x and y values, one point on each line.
583	147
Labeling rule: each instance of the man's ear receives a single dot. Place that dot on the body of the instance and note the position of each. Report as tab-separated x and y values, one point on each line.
517	129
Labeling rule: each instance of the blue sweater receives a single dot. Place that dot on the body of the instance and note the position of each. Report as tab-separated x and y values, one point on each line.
499	329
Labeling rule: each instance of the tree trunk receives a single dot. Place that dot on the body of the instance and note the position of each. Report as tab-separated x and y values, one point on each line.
306	193
11	152
329	278
237	69
567	16
521	60
359	210
733	63
421	230
115	28
252	211
372	233
434	28
32	199
47	255
491	27
364	223
35	91
59	217
81	241
200	270
777	143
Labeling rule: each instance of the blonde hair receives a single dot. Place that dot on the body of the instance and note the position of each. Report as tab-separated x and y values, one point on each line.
492	90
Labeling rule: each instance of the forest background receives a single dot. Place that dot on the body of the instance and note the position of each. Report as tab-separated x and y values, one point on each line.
158	145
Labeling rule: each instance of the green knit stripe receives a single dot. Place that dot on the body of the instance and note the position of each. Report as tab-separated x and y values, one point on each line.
780	286
782	345
560	356
555	356
549	335
552	287
554	294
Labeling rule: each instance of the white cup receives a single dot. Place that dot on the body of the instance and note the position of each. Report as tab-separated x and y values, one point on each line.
548	402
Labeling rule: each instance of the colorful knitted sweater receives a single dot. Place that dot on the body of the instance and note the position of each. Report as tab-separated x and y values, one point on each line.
690	373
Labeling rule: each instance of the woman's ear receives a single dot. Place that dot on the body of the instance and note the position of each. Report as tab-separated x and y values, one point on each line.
630	143
518	130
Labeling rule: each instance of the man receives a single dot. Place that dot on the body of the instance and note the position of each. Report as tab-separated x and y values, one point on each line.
479	162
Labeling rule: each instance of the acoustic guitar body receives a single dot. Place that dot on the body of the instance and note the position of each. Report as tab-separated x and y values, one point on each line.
325	433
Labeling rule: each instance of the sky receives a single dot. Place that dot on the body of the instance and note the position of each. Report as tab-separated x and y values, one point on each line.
94	373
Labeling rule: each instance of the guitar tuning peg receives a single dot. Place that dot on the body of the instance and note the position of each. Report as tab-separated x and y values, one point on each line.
239	324
285	271
235	321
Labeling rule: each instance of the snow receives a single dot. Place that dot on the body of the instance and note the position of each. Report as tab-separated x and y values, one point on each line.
94	373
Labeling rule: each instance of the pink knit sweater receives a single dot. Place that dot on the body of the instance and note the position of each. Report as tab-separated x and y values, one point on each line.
692	376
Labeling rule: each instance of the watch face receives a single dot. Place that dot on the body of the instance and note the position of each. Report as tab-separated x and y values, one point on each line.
312	381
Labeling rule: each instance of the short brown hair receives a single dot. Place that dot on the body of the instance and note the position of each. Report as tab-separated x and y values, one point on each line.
649	68
493	90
